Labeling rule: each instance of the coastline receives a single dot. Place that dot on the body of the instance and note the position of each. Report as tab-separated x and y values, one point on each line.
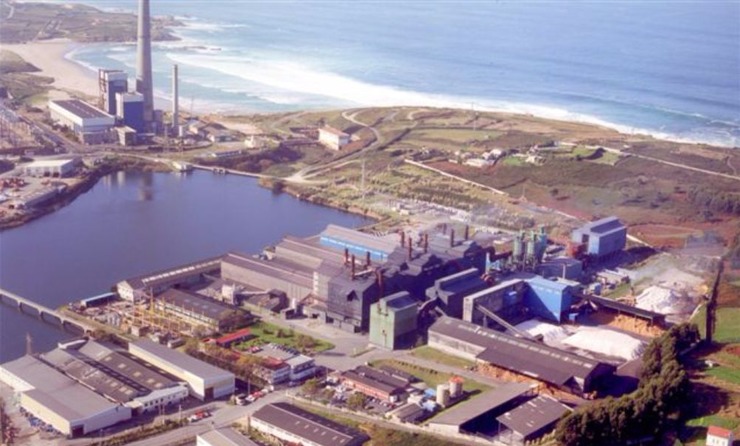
70	78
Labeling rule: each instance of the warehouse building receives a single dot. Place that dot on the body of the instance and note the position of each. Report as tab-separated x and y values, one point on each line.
530	421
295	425
204	381
474	417
333	138
199	311
136	288
567	371
602	237
49	395
393	321
51	168
374	383
90	125
223	437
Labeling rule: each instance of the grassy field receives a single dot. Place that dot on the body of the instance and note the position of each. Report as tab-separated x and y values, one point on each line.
729	374
728	325
431	377
426	352
268	333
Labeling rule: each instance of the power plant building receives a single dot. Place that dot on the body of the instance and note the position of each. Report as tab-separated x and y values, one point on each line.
130	110
111	83
90	125
393	321
204	381
602	237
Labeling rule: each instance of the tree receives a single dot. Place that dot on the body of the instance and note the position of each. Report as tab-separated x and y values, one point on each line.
356	401
311	387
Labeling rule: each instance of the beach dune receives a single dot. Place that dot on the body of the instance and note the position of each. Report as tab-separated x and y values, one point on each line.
49	57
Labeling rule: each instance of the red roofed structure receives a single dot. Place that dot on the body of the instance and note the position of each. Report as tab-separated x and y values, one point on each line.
718	436
239	335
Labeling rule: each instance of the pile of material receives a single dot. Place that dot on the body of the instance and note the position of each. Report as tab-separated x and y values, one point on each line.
606	342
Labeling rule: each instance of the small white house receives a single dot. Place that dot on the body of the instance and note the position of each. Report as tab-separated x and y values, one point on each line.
333	138
717	436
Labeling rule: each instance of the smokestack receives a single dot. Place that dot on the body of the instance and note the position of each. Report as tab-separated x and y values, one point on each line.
403	239
444	228
467	231
421	240
410	250
452	238
426	243
367	258
353	266
175	101
346	256
144	64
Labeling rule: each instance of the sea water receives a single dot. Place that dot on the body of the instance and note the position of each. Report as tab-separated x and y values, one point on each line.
669	69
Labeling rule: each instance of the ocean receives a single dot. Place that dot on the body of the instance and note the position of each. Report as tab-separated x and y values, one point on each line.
668	69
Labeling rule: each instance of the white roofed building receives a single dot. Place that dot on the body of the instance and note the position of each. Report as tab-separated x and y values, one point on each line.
89	124
50	168
333	138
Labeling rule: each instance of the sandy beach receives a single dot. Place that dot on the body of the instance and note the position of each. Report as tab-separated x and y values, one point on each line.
48	56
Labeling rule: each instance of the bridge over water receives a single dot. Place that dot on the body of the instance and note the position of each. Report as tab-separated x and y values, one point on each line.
44	313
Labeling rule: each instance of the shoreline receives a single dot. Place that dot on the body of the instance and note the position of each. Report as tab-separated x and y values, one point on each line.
71	77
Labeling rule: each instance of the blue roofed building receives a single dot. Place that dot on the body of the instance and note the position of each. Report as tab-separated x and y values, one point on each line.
602	237
547	299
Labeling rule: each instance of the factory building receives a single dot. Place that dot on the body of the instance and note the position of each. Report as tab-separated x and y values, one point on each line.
136	288
547	299
197	310
602	237
297	426
530	421
90	125
337	283
449	291
505	299
110	83
51	168
204	381
223	437
561	267
130	110
374	383
568	371
333	138
49	395
474	417
393	321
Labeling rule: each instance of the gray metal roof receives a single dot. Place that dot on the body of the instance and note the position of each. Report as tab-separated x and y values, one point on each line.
179	360
226	437
479	405
602	226
523	356
533	415
280	269
375	379
210	308
81	109
307	425
174	273
56	391
383	244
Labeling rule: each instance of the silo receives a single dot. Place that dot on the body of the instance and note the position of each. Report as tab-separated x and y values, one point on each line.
443	395
518	247
456	387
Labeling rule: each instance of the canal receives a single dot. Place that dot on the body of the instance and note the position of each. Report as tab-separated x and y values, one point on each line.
131	223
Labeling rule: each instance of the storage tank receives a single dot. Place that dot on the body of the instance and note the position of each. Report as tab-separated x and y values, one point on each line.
456	387
518	247
443	395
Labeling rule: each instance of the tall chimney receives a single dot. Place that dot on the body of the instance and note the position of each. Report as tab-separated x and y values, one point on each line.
452	238
346	256
367	258
444	228
353	266
467	231
144	64
410	250
426	243
175	101
403	239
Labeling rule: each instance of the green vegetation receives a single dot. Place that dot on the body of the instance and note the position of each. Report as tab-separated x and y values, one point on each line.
356	401
662	398
268	333
729	374
431	377
727	329
431	354
16	75
714	420
140	433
